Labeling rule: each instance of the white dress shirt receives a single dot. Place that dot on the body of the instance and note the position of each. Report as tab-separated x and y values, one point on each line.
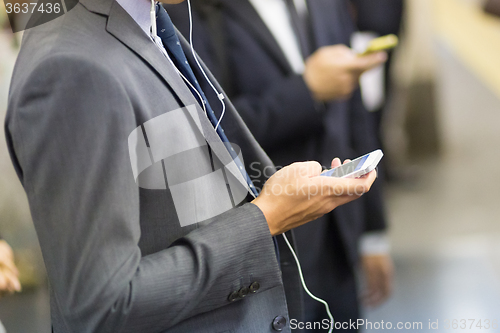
139	11
275	15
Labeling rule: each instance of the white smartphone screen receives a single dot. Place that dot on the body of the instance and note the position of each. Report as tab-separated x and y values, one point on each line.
357	167
347	168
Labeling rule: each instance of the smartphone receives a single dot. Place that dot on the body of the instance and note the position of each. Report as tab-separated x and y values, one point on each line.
358	167
380	44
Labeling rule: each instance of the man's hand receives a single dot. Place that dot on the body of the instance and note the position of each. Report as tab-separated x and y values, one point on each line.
379	274
298	194
332	72
9	283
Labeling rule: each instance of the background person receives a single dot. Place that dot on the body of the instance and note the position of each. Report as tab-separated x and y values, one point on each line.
290	72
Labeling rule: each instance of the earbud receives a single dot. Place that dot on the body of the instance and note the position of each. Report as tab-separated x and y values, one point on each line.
152	15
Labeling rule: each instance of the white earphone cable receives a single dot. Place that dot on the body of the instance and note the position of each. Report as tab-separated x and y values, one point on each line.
152	16
219	95
157	41
330	316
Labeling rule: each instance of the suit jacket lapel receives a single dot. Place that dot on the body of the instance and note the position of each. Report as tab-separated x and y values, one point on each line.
123	27
248	16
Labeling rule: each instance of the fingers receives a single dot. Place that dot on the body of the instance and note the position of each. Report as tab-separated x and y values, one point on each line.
374	295
9	264
299	170
372	277
379	278
9	282
333	51
3	281
310	169
16	284
7	257
367	62
336	162
369	179
387	279
362	185
5	250
345	187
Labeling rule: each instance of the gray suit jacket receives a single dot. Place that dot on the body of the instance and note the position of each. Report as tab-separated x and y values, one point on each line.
118	177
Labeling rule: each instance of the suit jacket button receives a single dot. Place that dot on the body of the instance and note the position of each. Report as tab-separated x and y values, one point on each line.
233	296
243	292
279	323
254	287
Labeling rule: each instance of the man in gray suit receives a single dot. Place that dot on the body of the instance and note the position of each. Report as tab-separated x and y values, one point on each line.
140	205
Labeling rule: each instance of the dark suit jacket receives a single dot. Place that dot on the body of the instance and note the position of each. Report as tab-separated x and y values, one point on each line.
382	16
95	117
278	108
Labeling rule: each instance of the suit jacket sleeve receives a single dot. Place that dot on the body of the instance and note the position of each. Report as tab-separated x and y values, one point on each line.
67	130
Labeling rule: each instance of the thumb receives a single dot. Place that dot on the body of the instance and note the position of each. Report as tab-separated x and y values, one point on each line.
367	62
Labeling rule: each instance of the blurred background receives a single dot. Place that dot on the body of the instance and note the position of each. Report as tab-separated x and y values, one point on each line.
441	134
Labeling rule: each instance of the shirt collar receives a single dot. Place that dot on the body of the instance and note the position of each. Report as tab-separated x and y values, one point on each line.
139	11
